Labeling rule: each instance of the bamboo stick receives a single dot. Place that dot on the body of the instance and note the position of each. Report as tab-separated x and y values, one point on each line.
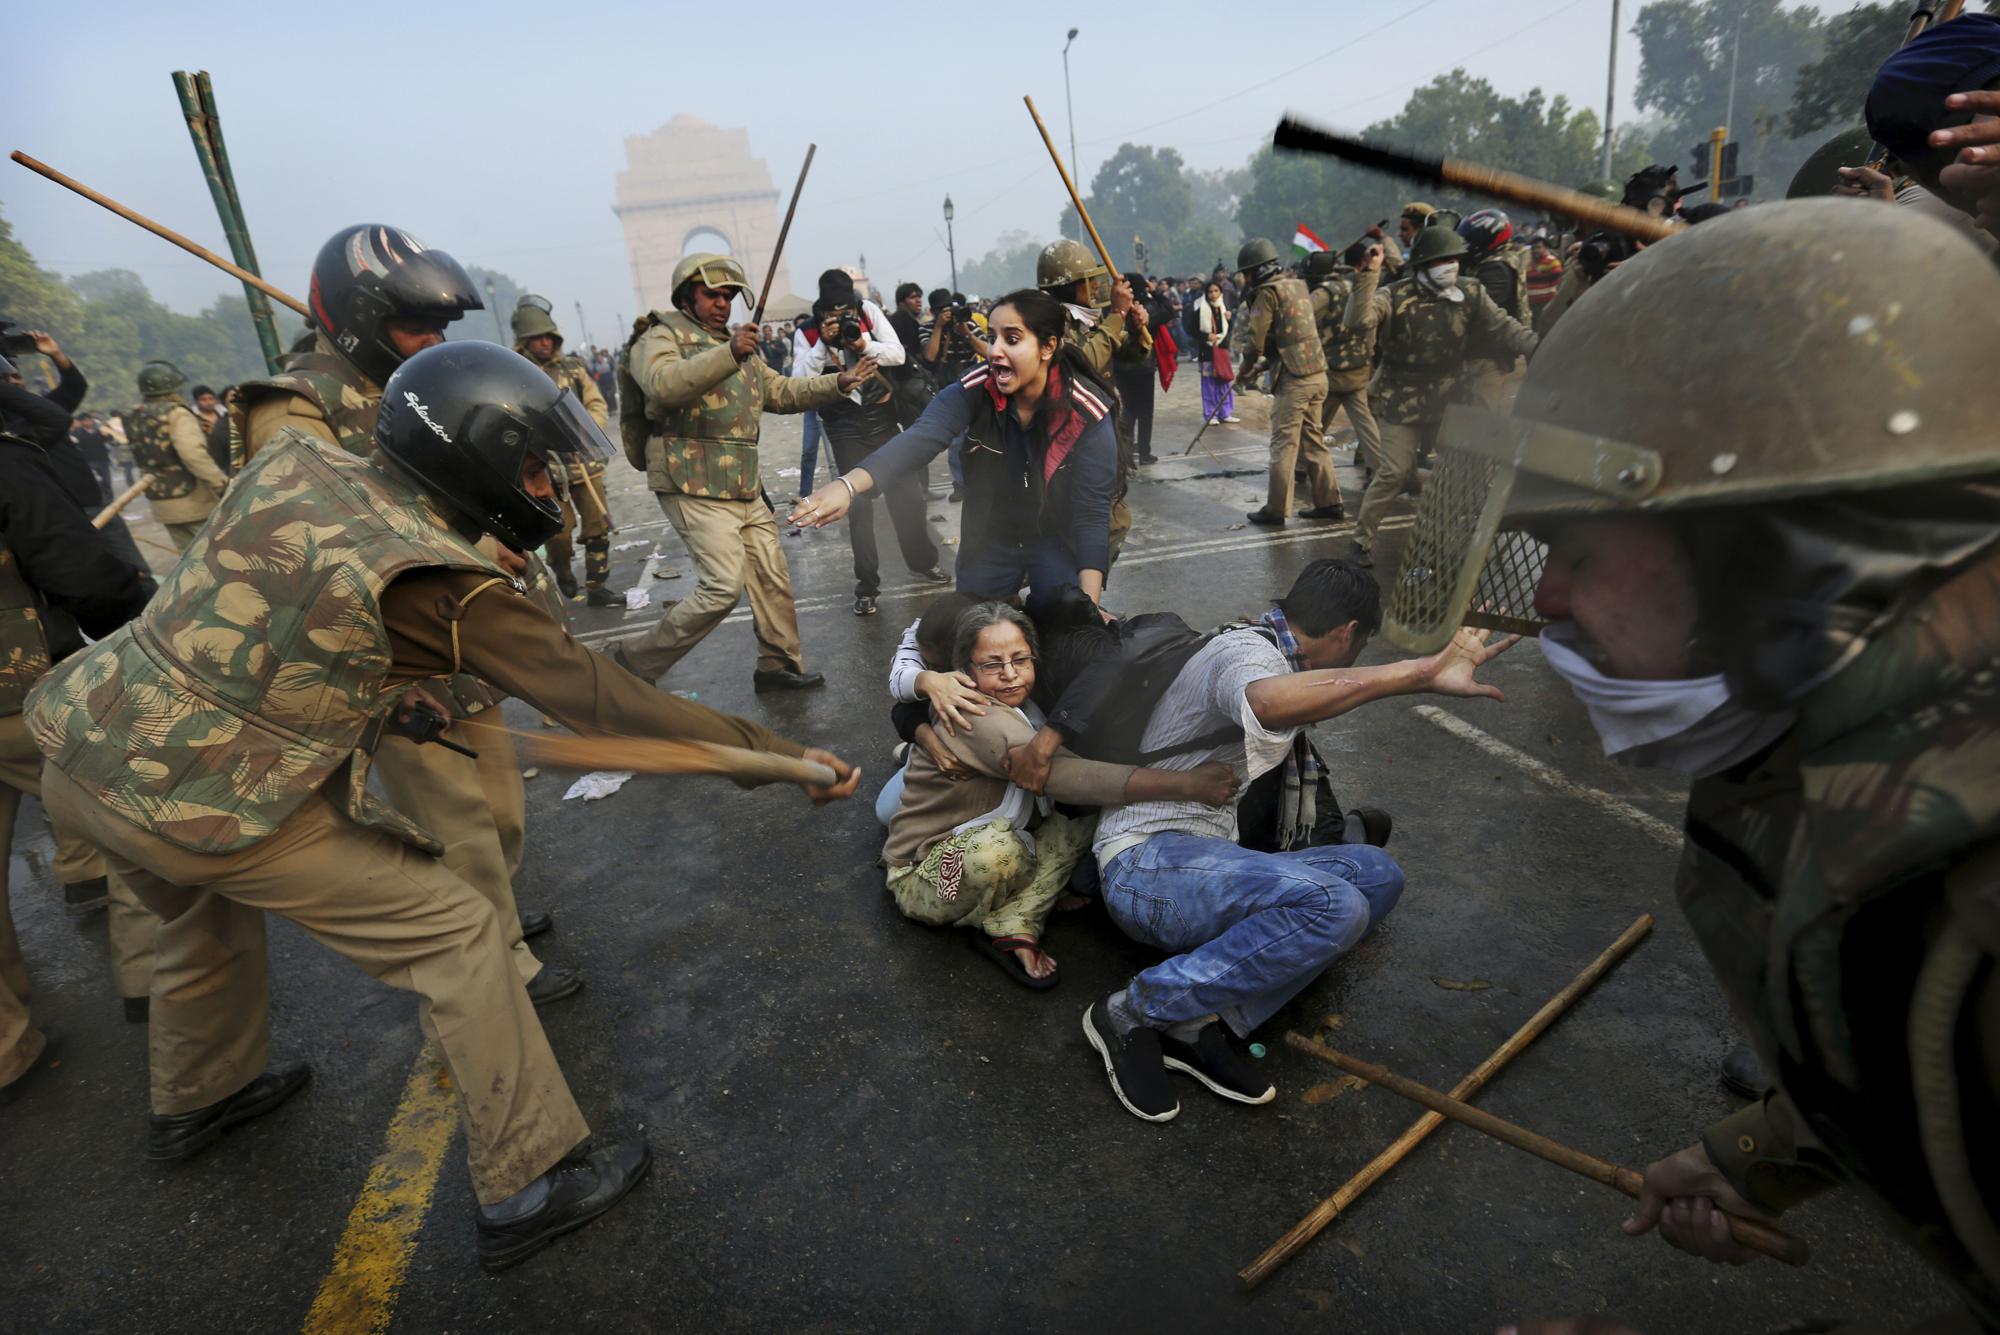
771	274
121	500
1764	1238
1326	1211
1070	185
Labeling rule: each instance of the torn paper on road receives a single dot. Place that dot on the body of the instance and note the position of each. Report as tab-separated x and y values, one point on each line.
602	783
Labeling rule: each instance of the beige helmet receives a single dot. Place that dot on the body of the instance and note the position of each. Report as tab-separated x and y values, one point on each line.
1065	262
1801	349
534	315
717	271
1418	212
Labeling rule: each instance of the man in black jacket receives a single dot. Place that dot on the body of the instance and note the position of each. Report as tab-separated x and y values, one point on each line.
44	420
59	581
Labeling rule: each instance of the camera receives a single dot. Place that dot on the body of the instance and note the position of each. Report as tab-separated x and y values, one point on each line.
848	331
961	312
12	342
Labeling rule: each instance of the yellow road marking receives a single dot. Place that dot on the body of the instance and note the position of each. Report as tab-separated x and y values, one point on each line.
359	1292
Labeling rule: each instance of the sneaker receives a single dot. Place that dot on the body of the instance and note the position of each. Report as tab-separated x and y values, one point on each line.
935	575
1211	1060
864	606
1231	418
1138	1076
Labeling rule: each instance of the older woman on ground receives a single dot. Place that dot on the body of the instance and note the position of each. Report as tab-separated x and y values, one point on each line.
982	853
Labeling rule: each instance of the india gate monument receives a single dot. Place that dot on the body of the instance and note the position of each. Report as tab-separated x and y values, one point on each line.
690	186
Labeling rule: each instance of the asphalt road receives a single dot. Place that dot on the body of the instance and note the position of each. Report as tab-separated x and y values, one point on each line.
861	1125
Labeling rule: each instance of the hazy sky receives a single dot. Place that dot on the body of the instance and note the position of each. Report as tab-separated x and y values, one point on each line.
495	130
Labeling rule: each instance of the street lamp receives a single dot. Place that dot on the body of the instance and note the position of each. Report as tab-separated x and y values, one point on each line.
1069	107
493	304
950	249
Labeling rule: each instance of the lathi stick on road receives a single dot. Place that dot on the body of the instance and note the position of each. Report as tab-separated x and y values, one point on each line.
1281	1251
1758	1236
659	755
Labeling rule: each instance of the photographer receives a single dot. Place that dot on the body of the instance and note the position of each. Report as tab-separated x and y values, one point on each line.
857	425
955	346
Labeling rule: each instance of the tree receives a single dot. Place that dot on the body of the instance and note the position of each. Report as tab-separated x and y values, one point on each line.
1139	193
1006	267
1832	89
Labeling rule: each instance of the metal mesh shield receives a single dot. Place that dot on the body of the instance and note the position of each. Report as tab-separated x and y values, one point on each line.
1454	571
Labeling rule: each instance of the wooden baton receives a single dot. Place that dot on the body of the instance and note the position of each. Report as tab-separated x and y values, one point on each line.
1759	1236
784	230
1070	185
1308	1228
121	500
193	248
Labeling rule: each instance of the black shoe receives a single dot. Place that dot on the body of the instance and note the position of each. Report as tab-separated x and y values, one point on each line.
553	984
536	921
864	606
1149	458
784	679
1265	518
583	1186
1222	1068
1367	825
138	1010
957	495
82	897
1138	1073
935	575
1743	1073
599	596
1324	512
51	1057
1360	556
565	577
181	1135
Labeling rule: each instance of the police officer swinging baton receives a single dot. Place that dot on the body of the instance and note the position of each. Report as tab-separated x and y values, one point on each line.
1300	137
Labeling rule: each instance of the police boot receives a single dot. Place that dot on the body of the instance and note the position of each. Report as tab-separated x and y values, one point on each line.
587	1182
597	574
179	1135
565	575
1743	1074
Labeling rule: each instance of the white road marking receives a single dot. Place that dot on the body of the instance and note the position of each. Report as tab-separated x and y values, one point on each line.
1521	760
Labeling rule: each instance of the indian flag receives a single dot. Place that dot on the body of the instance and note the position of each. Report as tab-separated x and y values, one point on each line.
1305	241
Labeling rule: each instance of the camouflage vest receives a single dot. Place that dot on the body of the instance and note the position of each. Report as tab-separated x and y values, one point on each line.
253	676
1346	348
347	399
1421	350
149	431
1294	334
570	374
24	640
709	447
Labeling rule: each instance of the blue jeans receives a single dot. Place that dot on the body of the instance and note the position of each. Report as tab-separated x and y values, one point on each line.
1000	570
890	798
809	454
1250	929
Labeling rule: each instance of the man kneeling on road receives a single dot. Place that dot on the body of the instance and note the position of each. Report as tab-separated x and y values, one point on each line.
1249	929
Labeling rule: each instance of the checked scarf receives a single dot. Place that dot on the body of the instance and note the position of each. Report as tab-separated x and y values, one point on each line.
1297	807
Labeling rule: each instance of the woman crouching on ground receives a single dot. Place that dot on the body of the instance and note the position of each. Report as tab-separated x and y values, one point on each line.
1040	458
981	853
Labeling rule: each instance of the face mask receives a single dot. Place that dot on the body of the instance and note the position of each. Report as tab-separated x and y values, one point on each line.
1443	279
1691	726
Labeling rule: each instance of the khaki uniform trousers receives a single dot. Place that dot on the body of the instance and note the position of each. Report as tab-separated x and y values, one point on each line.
132	924
476	808
1403	443
579	502
183	534
1360	416
397	913
1295	426
734	545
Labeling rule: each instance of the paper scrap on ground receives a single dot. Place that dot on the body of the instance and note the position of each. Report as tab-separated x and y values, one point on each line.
628	546
639	596
601	783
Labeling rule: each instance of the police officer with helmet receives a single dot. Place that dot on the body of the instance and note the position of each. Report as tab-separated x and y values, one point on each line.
1278	326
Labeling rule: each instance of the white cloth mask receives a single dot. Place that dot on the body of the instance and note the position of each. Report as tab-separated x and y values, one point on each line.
1443	279
1692	726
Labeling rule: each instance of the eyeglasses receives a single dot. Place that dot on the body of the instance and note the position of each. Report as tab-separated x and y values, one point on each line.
992	667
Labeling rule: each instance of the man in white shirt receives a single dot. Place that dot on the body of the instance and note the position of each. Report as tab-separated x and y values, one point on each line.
1248	929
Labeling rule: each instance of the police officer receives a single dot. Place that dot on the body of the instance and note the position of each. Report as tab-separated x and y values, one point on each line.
380	296
282	657
1277	325
1108	326
1350	352
59	581
705	391
167	442
1799	606
1423	324
1501	266
583	501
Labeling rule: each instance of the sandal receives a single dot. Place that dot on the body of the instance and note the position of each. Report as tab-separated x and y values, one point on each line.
1000	949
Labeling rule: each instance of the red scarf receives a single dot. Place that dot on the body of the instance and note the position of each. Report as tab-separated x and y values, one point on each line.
1067	426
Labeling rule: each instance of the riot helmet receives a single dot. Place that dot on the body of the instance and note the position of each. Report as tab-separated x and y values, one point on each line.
720	272
1064	263
1257	261
160	377
1448	219
463	418
1434	244
1485	232
369	274
1321	264
534	316
1806	516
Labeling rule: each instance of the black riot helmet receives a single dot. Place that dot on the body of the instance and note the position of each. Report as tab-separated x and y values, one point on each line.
367	274
462	419
1485	232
